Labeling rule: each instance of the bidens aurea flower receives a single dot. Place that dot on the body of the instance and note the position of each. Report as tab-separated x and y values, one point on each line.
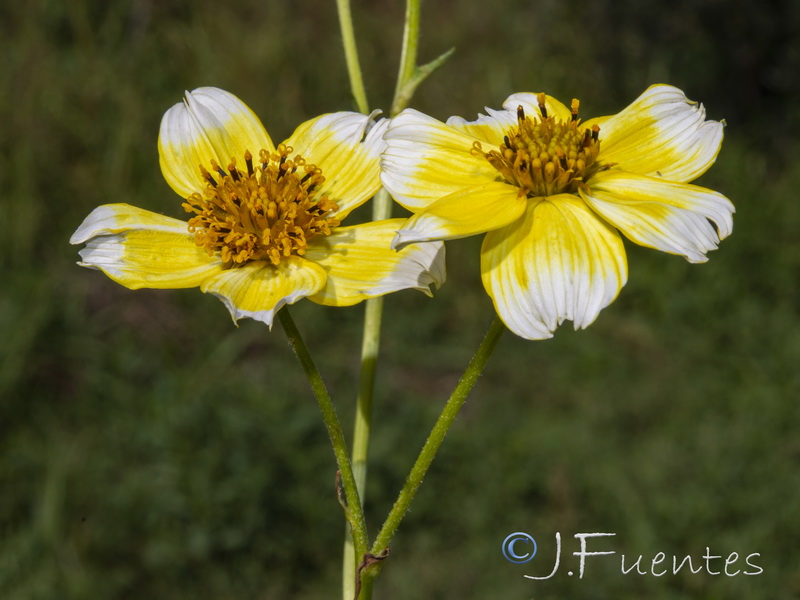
265	227
550	191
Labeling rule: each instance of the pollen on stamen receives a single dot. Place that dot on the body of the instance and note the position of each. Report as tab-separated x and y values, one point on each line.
207	176
233	170
540	97
267	215
215	166
546	155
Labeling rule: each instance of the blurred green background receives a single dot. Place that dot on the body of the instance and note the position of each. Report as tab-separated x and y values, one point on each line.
149	449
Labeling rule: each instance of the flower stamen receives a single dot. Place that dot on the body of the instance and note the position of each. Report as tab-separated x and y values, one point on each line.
540	97
269	214
546	156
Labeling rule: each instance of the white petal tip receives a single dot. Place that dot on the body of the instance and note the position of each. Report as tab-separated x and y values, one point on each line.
529	331
698	259
265	316
404	238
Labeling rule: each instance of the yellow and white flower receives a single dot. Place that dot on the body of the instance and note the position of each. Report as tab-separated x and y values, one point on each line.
550	191
265	228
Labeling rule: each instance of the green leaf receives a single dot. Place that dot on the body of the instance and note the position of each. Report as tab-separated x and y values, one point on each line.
420	74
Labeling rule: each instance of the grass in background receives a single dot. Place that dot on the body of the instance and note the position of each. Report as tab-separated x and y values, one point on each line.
151	450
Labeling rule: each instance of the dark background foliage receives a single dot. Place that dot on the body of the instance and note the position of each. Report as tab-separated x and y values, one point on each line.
149	449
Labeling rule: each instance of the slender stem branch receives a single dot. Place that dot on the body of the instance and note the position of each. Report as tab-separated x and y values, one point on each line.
437	435
351	56
381	209
408	57
370	345
355	515
369	358
372	324
361	430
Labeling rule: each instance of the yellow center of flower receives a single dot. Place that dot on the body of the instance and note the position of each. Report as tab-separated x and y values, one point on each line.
268	213
546	156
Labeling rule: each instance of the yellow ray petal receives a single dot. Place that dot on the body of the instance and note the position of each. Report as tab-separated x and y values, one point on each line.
559	262
488	128
361	265
464	213
347	147
672	217
258	289
210	124
141	249
493	126
662	134
425	160
599	121
530	104
114	218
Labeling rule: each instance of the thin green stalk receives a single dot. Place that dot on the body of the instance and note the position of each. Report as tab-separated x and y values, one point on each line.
355	515
361	430
437	435
370	345
412	75
372	326
351	56
381	209
408	57
369	358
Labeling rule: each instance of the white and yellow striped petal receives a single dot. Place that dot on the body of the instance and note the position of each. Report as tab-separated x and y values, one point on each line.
489	128
114	218
671	217
492	126
530	104
210	124
425	160
347	147
468	212
559	262
142	249
662	134
360	264
258	289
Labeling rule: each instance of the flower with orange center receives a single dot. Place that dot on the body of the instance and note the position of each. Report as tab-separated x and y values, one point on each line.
265	226
552	193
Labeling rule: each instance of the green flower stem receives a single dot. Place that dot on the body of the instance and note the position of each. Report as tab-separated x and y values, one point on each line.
351	56
408	57
370	345
381	209
369	359
353	510
437	435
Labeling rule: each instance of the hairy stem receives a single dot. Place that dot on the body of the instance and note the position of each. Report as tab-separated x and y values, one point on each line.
436	437
352	503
